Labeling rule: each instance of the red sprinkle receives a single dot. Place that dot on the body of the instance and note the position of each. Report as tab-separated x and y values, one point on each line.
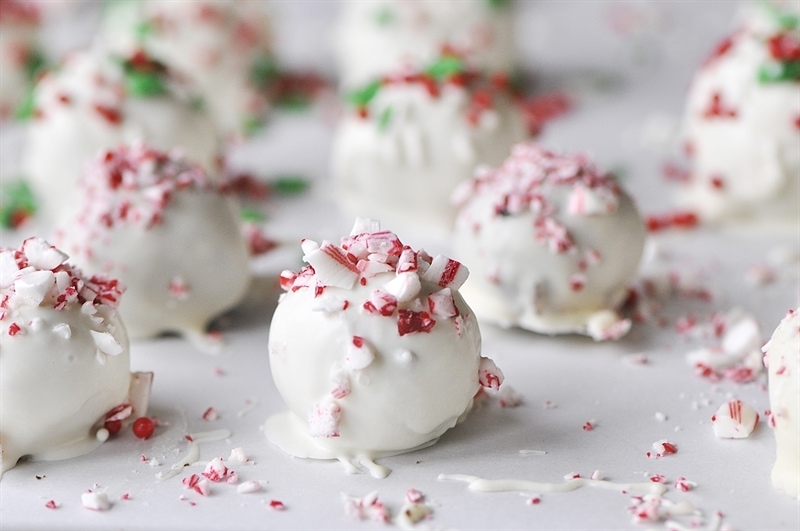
144	427
51	504
277	505
111	115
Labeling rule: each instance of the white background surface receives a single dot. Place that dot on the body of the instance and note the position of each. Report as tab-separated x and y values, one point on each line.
624	86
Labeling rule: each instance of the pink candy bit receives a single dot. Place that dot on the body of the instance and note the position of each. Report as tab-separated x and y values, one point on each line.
534	500
323	421
489	375
216	470
589	425
555	235
734	420
197	484
51	504
277	505
178	288
367	508
584	201
210	414
658	478
414	496
684	485
410	322
95	501
446	272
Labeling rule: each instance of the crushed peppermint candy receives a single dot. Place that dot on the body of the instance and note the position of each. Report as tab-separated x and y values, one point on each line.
531	176
367	508
37	274
734	420
95	501
661	449
420	295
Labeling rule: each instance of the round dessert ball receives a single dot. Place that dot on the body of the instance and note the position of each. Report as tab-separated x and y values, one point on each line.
223	47
20	57
551	242
372	38
162	226
373	349
64	358
95	101
782	357
407	140
742	122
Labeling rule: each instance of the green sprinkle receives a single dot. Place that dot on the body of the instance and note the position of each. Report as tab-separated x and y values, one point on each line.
499	4
144	30
384	119
251	214
385	17
264	71
294	102
289	185
34	64
26	107
16	203
361	98
251	125
785	20
144	84
445	67
779	72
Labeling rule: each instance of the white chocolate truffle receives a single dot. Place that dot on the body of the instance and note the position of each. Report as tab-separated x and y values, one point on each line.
782	357
373	350
96	101
20	56
742	124
221	46
551	242
163	227
65	363
372	38
408	140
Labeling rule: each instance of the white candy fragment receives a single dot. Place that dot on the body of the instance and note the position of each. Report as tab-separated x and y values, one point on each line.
95	501
734	420
33	287
404	286
239	457
365	225
62	330
42	255
249	487
106	343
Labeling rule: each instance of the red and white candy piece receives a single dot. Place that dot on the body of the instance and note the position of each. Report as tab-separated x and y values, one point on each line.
446	272
404	287
585	201
359	354
734	420
489	374
330	263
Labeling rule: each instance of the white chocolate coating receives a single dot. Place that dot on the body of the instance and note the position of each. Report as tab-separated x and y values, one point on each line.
177	247
68	129
782	356
363	383
64	358
743	132
19	34
551	244
372	38
215	44
402	162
